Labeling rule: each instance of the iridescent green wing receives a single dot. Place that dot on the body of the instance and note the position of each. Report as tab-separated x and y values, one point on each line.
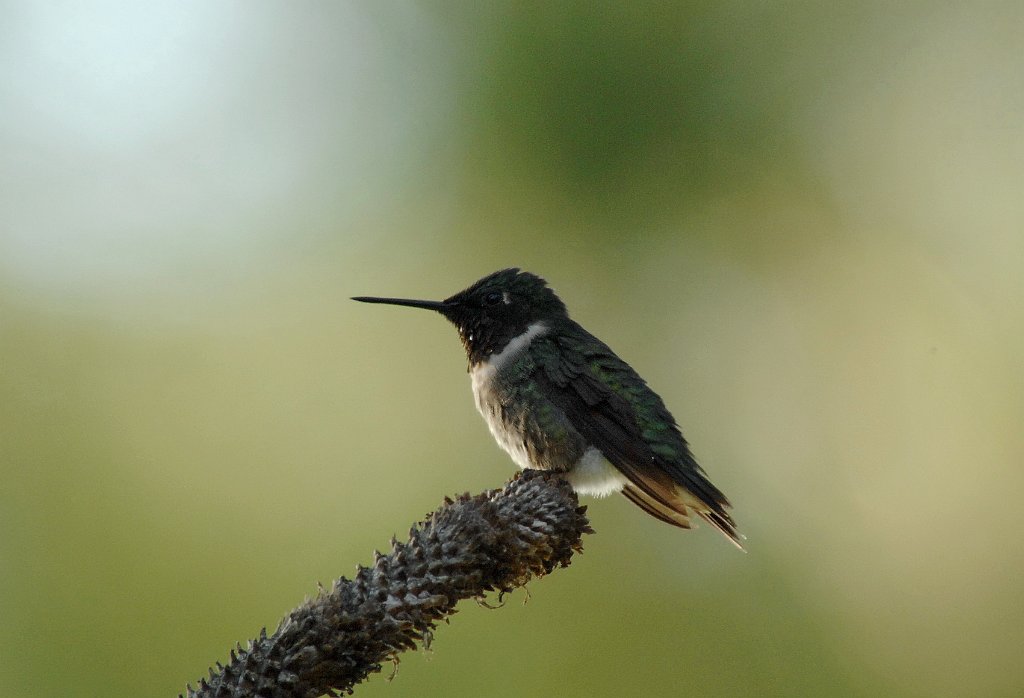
612	407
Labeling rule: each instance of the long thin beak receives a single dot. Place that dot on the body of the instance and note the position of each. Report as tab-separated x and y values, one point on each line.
439	306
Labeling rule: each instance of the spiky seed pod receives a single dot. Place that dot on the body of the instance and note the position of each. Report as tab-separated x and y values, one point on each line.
495	541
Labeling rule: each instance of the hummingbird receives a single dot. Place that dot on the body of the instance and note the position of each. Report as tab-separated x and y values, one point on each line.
556	398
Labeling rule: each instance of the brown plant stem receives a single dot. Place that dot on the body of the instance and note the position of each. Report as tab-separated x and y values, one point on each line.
494	541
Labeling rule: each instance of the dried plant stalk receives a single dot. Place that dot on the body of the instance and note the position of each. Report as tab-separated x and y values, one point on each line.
495	541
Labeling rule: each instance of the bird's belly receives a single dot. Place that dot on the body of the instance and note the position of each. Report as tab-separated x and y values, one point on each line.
512	443
593	475
588	474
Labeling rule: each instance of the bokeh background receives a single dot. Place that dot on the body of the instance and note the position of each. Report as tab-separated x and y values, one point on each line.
802	222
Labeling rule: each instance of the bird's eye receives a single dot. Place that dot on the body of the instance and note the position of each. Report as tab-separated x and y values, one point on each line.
492	298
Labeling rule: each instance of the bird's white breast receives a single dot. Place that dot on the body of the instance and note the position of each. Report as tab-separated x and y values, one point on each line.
482	377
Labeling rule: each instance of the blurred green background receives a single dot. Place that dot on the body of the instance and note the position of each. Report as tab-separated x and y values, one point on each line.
803	223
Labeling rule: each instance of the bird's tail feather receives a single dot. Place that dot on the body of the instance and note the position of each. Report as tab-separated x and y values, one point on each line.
655	508
668	501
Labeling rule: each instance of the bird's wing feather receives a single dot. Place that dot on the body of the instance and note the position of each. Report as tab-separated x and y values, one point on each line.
613	409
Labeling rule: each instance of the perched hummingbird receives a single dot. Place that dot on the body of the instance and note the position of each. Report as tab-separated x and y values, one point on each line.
557	398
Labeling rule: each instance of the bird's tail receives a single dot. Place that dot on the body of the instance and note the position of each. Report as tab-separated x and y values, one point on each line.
663	498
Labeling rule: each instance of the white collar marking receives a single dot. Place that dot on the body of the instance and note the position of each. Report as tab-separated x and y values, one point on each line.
494	362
